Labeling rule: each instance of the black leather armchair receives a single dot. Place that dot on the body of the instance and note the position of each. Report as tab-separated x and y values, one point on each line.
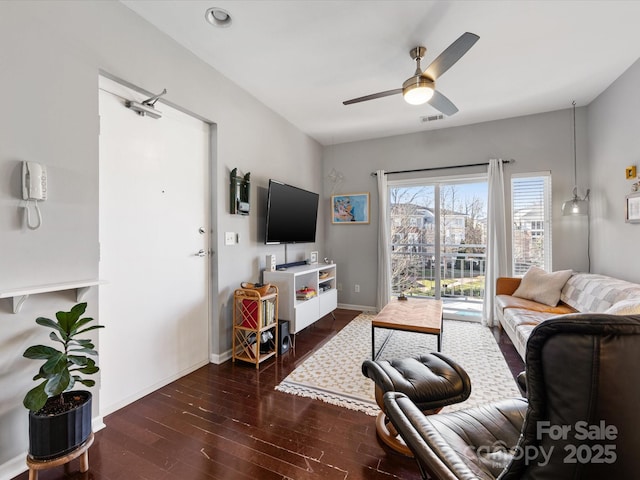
580	420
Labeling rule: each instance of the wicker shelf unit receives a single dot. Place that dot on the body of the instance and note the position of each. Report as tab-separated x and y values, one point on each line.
255	318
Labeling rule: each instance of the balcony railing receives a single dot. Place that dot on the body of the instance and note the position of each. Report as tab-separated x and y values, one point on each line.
462	270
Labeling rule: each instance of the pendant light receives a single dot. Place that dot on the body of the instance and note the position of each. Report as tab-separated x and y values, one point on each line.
577	205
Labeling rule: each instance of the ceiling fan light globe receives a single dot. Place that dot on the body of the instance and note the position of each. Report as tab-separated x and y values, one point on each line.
418	90
418	95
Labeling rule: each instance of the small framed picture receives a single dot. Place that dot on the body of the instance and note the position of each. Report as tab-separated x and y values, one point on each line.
632	210
313	257
350	208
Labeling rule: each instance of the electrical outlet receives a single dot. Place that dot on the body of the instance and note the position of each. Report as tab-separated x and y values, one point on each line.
356	288
229	238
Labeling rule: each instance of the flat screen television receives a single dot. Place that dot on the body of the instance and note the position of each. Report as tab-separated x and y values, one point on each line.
292	214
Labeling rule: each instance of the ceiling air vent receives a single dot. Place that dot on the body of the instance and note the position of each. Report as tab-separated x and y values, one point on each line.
431	118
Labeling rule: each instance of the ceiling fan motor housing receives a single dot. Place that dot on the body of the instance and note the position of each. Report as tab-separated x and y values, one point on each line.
418	81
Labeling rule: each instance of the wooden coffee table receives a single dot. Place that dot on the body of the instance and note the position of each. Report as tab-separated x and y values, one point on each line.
421	315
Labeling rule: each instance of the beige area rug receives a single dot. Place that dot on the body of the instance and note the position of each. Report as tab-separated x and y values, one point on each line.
333	374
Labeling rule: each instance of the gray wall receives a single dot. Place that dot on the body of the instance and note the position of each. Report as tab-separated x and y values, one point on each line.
51	57
614	145
542	142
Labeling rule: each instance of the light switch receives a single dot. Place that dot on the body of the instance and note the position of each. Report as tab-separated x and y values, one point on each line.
229	238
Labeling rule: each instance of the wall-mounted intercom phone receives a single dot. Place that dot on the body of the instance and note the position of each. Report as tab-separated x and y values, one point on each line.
34	188
34	184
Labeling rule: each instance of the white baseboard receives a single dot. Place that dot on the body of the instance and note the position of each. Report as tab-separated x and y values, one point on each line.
362	308
218	359
13	467
97	423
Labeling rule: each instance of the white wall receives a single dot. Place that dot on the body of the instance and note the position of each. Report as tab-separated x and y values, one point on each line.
614	145
52	55
536	142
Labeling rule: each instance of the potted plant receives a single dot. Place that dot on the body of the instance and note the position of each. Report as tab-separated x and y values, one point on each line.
59	417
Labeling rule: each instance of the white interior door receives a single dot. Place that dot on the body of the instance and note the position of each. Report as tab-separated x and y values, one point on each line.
154	219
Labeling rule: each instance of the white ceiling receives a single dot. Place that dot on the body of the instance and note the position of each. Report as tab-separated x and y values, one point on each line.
303	58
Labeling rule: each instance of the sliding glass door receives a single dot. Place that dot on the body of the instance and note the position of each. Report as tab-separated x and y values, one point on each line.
438	236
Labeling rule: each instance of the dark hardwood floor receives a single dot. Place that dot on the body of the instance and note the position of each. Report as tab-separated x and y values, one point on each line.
227	422
509	352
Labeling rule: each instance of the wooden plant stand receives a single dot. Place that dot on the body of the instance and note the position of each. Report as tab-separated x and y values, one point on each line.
83	451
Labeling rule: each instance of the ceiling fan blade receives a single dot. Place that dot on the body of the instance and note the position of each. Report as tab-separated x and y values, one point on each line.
442	103
451	55
373	96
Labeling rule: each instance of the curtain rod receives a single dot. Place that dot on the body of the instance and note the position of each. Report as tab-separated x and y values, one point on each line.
374	174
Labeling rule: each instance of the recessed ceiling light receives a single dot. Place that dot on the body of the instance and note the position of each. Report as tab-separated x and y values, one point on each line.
218	17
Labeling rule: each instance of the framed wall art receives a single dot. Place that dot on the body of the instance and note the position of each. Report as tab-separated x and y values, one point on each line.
632	210
350	208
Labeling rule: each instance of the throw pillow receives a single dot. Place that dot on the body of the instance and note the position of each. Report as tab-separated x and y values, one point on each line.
542	287
630	306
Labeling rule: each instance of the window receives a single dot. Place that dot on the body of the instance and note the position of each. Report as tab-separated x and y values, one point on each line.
442	254
531	222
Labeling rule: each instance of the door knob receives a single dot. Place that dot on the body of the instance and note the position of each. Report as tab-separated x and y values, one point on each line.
202	231
201	253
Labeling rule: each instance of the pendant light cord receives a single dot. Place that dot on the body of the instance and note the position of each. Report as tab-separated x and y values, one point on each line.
588	244
575	187
575	154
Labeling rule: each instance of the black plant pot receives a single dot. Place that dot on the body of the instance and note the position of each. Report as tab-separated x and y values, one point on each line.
52	436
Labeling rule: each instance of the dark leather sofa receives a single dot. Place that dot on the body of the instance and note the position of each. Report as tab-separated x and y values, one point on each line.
580	420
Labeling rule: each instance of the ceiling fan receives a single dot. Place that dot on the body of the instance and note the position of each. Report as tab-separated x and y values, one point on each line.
421	87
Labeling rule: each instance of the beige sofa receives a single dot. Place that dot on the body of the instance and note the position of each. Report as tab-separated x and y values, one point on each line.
582	292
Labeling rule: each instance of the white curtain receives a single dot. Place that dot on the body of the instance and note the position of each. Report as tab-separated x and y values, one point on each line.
496	239
384	256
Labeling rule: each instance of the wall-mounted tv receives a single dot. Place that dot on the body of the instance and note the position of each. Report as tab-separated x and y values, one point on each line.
292	214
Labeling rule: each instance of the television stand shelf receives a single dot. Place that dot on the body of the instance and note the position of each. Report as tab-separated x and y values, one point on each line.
304	307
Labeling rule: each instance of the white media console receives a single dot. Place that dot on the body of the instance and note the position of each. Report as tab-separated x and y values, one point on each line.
302	313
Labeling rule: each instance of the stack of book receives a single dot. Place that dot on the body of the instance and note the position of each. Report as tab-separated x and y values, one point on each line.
305	293
268	313
250	313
